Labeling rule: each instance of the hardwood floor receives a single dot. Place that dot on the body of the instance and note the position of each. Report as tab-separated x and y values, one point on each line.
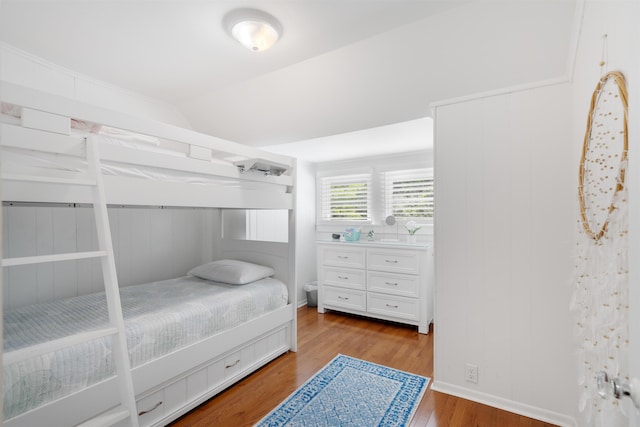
320	338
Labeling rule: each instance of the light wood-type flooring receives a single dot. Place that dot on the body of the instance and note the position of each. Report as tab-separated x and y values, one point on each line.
320	338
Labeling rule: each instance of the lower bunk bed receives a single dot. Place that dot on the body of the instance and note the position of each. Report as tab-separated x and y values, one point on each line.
188	339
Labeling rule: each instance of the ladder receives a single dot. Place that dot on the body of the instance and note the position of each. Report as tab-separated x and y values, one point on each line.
93	179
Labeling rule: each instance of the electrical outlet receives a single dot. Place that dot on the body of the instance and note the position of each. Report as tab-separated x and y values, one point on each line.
471	373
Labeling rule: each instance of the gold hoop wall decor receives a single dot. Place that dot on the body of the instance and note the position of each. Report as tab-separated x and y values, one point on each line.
604	154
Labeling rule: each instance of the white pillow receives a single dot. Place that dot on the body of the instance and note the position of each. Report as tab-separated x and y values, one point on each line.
231	271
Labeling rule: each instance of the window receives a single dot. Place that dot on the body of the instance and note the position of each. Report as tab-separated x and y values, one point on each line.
345	198
267	225
409	193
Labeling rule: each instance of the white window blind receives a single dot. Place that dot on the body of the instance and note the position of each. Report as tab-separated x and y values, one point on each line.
345	198
409	193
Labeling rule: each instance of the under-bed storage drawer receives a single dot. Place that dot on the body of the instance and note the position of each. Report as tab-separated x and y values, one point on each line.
345	298
238	361
151	408
179	395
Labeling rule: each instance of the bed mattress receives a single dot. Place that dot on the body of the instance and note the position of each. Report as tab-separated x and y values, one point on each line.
160	317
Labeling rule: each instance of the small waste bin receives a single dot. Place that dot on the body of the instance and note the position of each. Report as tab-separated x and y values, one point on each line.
312	293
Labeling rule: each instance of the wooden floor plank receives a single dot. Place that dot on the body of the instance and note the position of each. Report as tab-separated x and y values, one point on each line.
320	338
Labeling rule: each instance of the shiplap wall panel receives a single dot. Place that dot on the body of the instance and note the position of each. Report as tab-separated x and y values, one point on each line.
5	253
149	243
22	242
44	223
184	237
505	194
553	228
64	240
89	270
495	247
122	230
161	246
455	178
142	235
471	195
522	172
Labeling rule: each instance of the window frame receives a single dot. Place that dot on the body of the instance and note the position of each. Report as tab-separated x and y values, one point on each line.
322	182
415	174
377	197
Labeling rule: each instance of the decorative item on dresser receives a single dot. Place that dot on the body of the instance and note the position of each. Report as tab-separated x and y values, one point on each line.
390	281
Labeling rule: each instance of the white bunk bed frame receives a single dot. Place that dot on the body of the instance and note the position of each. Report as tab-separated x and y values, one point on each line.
171	385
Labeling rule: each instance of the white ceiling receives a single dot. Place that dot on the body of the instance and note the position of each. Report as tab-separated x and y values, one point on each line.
413	135
340	66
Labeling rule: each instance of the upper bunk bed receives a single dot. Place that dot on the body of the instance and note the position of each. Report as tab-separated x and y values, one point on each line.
49	142
144	162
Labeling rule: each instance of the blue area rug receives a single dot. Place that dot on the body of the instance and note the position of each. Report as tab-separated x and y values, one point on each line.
351	392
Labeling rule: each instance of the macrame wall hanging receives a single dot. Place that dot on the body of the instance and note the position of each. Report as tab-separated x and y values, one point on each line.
600	300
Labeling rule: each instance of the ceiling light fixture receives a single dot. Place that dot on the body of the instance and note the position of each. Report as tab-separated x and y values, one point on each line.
254	29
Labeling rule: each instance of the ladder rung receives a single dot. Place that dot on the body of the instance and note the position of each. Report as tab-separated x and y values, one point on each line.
39	259
48	179
54	345
107	419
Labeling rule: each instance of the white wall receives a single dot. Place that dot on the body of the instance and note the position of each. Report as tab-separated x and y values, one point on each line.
632	71
22	68
149	244
504	228
306	268
619	21
506	216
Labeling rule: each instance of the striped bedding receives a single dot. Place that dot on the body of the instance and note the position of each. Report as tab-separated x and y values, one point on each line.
160	317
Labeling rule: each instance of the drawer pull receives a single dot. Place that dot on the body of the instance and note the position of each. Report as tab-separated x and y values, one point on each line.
141	413
391	283
342	257
391	306
233	364
343	277
391	261
344	298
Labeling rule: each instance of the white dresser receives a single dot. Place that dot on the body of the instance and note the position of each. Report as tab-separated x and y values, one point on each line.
385	280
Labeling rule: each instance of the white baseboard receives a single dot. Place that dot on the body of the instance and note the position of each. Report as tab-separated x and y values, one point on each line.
505	404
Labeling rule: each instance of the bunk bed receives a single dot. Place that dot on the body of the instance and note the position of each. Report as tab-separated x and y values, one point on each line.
50	147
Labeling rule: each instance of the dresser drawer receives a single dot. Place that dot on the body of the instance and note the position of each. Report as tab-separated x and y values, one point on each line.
344	277
400	307
394	284
343	256
397	261
345	298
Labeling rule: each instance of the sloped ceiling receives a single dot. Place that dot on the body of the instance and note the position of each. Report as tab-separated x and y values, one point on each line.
340	66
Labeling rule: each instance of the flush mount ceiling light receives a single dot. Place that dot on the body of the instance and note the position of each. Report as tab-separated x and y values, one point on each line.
254	29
